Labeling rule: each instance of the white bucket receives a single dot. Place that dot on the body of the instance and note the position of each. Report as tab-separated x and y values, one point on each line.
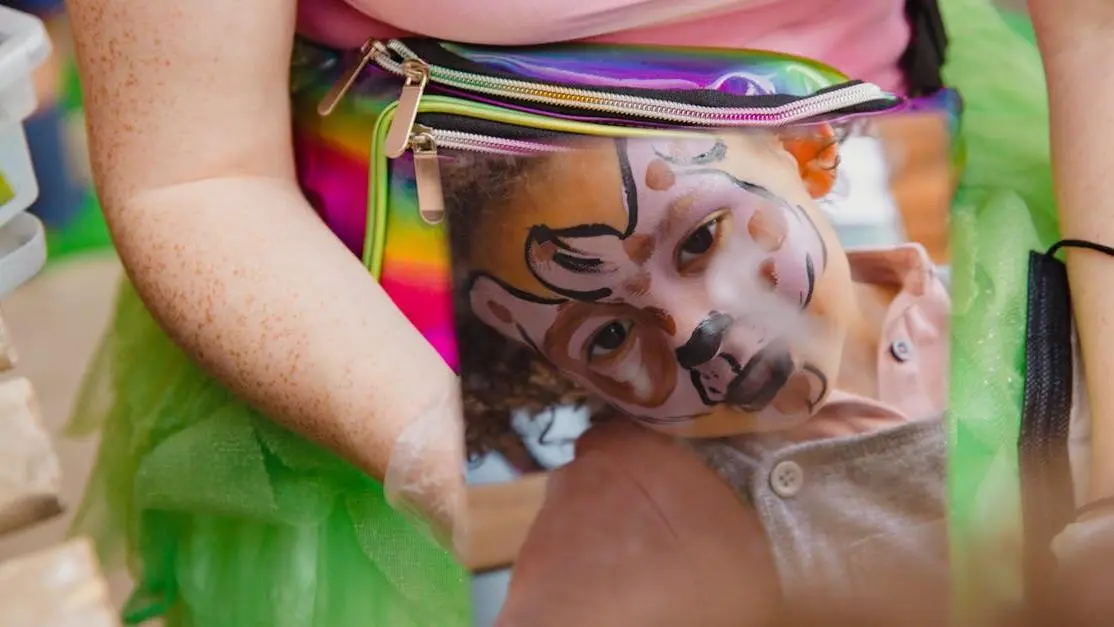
24	45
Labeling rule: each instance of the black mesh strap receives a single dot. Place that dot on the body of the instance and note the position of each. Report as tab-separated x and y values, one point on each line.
1047	494
1047	503
924	58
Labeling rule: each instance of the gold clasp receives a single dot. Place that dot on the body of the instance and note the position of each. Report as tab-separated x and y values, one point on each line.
402	126
368	51
427	177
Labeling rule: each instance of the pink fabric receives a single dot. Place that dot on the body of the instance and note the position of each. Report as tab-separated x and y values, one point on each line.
912	352
862	38
693	552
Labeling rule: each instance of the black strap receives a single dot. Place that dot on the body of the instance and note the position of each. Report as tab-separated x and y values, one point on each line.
1047	503
1104	503
1079	243
923	60
1047	494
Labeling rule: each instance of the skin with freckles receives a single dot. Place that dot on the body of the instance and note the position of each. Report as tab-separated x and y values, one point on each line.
692	283
189	132
1077	40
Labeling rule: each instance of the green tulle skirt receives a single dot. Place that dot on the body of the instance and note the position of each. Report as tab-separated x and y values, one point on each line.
1005	208
229	521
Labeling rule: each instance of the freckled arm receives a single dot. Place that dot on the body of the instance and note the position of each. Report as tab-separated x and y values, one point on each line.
188	113
1077	43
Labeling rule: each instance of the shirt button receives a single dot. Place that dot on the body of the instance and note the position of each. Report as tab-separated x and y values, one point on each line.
902	350
787	479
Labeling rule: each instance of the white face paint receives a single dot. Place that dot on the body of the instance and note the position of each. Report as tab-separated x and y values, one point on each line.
696	303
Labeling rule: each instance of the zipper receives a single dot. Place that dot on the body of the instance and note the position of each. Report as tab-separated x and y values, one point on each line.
459	140
693	109
348	78
667	107
427	177
395	57
424	143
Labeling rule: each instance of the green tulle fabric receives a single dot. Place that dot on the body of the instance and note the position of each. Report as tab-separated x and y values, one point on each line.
1004	209
229	521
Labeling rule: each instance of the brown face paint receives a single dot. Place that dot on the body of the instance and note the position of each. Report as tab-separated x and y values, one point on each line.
500	312
659	176
544	251
677	216
639	248
768	228
657	359
767	272
639	285
662	319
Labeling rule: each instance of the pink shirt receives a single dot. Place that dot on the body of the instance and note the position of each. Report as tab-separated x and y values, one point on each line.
862	38
639	530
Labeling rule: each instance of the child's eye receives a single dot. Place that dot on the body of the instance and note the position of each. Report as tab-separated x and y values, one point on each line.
609	339
700	242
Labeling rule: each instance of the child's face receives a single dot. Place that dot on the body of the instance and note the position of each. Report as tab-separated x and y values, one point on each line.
691	283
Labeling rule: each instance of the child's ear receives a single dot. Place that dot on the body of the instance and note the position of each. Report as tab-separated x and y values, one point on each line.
816	149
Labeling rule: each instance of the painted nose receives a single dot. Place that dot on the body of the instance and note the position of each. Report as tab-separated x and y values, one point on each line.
705	342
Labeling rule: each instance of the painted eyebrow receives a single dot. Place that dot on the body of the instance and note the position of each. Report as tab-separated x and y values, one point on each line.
753	188
717	153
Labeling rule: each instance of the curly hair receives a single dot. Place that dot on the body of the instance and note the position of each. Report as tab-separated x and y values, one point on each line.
500	377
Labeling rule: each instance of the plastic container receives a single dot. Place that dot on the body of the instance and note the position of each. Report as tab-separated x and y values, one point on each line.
24	45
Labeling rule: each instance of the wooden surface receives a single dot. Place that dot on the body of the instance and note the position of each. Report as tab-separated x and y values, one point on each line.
30	474
499	515
57	587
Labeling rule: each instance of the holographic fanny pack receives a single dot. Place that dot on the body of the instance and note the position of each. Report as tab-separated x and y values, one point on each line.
372	127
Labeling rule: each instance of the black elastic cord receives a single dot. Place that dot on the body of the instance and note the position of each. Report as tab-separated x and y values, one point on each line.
1080	243
1108	502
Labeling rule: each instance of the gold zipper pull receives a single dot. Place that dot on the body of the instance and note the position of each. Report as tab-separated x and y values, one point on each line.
427	177
368	51
402	126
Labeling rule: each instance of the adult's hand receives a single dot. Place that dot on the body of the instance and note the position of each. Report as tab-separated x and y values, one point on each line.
638	531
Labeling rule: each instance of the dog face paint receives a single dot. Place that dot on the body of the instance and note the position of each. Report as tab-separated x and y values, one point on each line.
684	290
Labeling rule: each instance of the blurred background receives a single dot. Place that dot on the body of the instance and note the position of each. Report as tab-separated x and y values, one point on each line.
56	319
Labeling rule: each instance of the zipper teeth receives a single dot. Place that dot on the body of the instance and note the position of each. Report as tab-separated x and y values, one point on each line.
643	107
472	142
